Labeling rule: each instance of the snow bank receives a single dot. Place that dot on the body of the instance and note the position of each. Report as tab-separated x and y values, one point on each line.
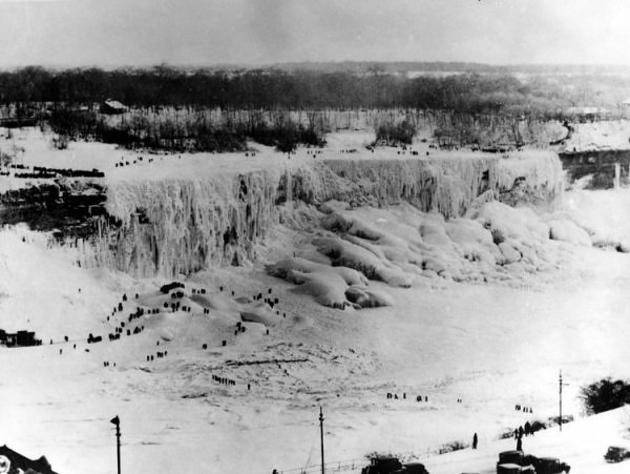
603	214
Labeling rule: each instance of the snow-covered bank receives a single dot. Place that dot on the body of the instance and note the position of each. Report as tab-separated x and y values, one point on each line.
582	445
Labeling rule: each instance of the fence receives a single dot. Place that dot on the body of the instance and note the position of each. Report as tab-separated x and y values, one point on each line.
352	465
355	465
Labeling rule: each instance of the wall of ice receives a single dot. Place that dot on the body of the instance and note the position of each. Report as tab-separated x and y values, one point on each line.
176	225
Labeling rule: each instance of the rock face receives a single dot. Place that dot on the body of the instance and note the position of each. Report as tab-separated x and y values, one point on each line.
598	163
170	226
72	208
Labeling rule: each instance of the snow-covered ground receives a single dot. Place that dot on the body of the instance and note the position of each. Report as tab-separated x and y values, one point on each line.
607	135
32	147
488	344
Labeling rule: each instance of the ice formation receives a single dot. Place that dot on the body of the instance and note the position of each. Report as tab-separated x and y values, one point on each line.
179	224
400	246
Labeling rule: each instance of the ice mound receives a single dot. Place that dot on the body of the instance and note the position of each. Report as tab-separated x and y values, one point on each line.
258	313
292	268
334	286
473	240
568	231
368	298
507	222
348	254
402	246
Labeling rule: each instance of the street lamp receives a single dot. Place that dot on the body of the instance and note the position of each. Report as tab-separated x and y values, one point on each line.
116	421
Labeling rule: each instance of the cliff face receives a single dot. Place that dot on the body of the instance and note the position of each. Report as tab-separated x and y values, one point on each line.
598	163
69	207
170	226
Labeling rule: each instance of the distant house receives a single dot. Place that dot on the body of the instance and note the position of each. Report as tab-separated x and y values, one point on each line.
446	139
587	114
19	462
625	108
113	107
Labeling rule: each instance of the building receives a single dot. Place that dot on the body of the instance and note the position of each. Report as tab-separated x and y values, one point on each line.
113	107
19	462
446	139
625	108
587	114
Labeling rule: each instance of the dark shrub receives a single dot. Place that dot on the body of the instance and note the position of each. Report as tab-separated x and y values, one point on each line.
605	395
395	134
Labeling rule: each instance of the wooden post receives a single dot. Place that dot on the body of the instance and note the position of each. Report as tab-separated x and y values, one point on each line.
321	436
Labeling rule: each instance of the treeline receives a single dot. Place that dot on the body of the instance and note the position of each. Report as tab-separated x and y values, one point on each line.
191	131
273	88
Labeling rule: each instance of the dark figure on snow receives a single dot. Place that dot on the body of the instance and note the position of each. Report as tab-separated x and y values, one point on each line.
475	441
519	444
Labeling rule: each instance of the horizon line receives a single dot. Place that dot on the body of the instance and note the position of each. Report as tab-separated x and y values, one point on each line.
264	65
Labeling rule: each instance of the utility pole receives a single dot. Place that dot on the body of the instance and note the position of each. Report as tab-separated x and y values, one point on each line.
321	435
116	422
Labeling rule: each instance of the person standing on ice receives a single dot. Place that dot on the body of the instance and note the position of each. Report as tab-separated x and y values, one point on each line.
475	441
519	443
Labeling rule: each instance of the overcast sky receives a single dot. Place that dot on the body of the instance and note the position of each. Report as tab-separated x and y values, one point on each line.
205	32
